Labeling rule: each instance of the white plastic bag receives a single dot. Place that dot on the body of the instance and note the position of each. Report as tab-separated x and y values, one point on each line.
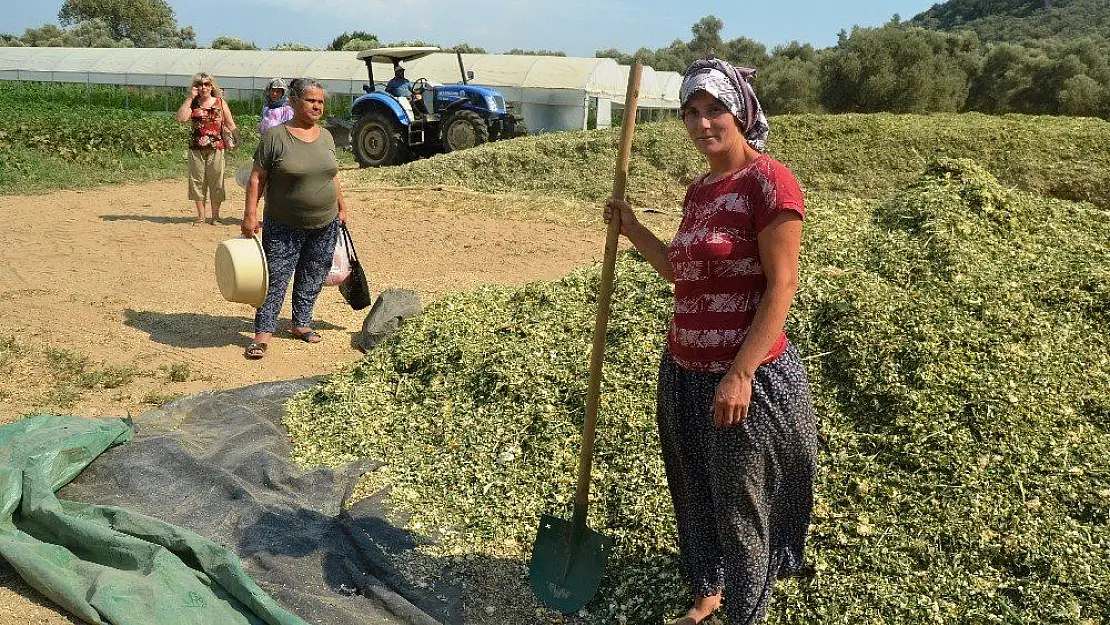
340	263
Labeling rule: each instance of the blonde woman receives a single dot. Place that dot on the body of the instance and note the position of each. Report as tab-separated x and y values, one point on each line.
208	113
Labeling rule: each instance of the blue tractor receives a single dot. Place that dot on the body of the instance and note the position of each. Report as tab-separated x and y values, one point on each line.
386	130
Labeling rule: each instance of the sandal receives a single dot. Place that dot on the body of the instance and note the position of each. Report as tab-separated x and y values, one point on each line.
255	351
312	336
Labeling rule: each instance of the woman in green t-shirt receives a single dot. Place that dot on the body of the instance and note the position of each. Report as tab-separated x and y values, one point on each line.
295	164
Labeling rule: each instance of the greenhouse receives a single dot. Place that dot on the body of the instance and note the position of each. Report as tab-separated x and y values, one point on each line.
552	93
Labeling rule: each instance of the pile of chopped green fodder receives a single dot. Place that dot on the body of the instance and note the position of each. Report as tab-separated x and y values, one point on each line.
955	337
872	156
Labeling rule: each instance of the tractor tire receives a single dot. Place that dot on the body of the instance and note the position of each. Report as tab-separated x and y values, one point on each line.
376	141
519	130
462	130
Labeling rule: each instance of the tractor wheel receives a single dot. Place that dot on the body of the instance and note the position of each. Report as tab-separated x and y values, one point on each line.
464	129
519	130
376	142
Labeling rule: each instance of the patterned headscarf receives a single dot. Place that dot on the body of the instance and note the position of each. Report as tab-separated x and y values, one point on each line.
732	86
276	83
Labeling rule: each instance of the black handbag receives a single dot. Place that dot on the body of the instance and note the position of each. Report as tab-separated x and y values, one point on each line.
355	289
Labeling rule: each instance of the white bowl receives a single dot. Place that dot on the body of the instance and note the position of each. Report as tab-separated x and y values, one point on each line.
241	271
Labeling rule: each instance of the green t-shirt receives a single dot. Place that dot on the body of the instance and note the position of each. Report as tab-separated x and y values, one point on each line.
300	190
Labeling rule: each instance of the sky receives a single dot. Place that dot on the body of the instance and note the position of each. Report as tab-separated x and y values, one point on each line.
577	27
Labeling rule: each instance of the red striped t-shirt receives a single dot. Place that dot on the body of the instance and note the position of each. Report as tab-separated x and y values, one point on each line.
719	279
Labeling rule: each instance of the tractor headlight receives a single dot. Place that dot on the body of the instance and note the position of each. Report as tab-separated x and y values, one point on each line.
491	103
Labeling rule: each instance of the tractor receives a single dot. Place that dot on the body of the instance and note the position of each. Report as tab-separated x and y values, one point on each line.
386	130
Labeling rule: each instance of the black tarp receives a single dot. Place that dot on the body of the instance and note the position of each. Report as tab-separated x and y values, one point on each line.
219	465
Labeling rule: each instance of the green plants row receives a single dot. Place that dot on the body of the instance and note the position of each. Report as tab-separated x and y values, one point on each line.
46	145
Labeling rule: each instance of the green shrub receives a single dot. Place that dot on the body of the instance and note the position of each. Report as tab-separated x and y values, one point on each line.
177	372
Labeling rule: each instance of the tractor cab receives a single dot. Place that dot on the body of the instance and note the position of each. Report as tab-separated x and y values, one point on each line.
386	129
421	87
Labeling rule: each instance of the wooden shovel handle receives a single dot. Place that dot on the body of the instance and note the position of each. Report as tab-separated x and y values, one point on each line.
605	295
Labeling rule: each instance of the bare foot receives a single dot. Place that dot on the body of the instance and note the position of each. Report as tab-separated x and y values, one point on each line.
703	607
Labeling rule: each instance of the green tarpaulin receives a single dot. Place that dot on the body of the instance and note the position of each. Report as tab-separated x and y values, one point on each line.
105	564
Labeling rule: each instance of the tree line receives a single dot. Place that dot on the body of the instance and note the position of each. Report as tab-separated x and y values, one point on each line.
153	24
903	68
900	67
1018	21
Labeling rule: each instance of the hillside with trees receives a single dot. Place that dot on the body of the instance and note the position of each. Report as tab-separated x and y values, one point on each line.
1017	21
904	67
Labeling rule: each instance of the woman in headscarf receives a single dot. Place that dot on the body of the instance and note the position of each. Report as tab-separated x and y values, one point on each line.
736	423
276	110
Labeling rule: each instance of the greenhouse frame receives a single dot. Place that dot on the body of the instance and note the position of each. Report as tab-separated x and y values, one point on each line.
552	93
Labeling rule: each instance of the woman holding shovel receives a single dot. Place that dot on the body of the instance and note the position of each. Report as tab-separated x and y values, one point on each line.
735	419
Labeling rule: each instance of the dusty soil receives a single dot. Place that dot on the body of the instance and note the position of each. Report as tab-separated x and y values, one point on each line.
116	282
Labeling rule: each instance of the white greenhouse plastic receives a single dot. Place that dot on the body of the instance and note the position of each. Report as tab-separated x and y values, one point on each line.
553	93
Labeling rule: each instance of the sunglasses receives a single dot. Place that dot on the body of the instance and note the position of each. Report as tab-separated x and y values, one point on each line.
203	84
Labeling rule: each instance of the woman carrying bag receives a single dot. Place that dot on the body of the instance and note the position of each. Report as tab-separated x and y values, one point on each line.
295	164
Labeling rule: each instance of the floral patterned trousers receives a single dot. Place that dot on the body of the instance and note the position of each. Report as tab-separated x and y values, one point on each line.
742	495
301	254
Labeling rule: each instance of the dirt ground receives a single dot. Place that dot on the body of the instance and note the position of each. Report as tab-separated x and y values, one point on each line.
110	305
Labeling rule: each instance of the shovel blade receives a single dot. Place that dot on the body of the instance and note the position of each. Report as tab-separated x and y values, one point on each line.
567	564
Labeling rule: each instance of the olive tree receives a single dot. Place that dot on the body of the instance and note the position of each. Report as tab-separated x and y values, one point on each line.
144	23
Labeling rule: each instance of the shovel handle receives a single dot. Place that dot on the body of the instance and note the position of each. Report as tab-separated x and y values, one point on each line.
605	295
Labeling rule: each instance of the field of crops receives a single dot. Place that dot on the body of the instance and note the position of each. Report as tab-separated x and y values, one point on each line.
162	100
46	144
954	329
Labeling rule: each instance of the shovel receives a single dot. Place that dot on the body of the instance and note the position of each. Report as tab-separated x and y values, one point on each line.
568	558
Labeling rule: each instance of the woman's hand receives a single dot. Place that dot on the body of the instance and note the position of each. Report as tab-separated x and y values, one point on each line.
628	218
250	226
730	403
342	203
193	93
641	237
185	111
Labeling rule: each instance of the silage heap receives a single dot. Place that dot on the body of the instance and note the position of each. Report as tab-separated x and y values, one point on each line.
872	156
955	336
